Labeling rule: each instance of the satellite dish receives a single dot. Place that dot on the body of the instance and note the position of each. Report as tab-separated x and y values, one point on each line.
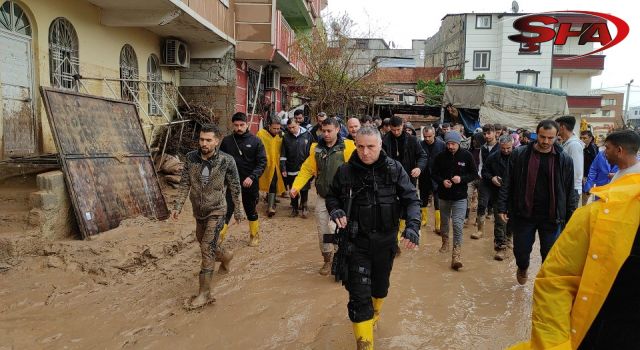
514	7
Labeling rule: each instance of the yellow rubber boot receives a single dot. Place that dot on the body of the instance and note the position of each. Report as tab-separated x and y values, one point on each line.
401	229
223	233
437	221
377	306
363	331
424	216
254	226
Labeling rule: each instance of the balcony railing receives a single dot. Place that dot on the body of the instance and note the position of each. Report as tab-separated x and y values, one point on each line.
315	7
588	62
285	37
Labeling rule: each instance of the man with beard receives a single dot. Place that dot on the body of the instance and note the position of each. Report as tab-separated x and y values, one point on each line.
406	149
484	187
432	146
295	149
271	180
493	171
368	193
324	159
207	175
248	152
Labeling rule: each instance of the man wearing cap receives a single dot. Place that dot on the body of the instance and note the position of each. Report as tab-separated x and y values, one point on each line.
452	171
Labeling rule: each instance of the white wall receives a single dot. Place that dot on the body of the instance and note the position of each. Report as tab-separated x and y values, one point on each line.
480	40
575	84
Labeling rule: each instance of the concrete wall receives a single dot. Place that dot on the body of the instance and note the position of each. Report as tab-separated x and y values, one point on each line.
574	84
212	83
449	38
99	52
52	215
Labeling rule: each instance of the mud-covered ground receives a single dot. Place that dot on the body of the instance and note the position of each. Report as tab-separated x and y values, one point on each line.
126	288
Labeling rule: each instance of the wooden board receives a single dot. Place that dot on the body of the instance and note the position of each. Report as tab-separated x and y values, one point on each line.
106	161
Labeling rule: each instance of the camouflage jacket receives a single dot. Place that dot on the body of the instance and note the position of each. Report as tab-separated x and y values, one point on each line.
209	199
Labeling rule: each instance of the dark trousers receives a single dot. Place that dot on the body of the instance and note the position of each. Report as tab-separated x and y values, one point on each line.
304	192
250	198
273	187
425	193
369	272
484	197
524	236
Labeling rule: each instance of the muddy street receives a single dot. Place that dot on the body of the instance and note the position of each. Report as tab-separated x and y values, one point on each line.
125	290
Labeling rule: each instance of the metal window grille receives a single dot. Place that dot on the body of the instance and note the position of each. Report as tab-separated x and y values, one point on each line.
63	54
154	88
14	19
129	73
254	75
284	97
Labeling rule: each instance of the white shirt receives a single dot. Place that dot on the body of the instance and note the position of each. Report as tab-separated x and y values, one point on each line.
574	147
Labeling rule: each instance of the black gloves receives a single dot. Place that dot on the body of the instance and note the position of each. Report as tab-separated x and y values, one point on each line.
411	235
337	214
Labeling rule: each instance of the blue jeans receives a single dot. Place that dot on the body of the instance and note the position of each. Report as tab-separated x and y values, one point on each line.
524	235
454	210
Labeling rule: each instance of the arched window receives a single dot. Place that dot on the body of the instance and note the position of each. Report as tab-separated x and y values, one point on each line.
154	76
14	19
129	73
63	54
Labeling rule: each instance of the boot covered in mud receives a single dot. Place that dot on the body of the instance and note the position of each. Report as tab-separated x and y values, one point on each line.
501	254
424	213
326	267
437	222
304	209
223	233
480	228
445	244
294	212
224	256
271	204
377	307
456	262
363	332
254	235
204	294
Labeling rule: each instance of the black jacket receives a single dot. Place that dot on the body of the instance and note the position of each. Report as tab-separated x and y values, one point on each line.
407	150
485	152
511	195
431	151
590	152
448	165
248	152
381	192
495	165
294	151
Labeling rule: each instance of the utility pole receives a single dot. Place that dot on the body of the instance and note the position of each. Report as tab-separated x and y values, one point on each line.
625	116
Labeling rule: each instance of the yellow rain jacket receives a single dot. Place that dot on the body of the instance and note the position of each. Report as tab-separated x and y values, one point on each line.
309	168
579	271
272	146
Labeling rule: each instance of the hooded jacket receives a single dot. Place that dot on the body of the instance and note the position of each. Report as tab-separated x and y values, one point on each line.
272	145
209	198
381	191
511	197
295	149
248	152
582	266
448	165
431	151
407	150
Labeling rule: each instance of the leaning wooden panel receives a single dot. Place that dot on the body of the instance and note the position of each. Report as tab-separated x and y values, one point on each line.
106	161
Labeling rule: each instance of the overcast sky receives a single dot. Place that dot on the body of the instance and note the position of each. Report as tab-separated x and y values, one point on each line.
402	20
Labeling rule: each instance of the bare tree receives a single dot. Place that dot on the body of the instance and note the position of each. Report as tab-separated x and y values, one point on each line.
334	79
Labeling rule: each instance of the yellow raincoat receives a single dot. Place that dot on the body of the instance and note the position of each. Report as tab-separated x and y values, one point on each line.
582	265
272	145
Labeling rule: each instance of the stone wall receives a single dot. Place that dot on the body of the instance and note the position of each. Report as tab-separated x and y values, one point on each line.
52	214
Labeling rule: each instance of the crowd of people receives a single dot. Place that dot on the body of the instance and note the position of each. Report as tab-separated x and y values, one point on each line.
376	178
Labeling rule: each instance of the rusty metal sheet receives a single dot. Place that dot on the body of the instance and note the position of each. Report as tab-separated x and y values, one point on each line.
106	161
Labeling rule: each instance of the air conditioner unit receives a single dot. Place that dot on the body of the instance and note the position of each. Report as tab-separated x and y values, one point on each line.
175	54
272	78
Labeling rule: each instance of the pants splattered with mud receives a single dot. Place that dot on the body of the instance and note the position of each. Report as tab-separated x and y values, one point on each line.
369	271
207	233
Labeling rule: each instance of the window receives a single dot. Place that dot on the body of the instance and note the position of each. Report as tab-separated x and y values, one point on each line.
483	22
154	85
481	60
252	84
284	96
128	73
13	19
528	77
609	102
63	54
523	46
606	113
362	44
556	83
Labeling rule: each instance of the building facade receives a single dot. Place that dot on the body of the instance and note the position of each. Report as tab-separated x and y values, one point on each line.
478	45
609	115
114	49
